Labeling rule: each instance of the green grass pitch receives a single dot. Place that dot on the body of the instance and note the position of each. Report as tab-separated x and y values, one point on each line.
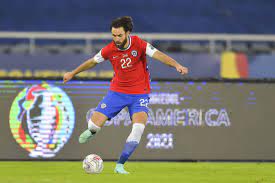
141	172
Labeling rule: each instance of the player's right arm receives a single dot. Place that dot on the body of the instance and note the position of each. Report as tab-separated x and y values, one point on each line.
88	64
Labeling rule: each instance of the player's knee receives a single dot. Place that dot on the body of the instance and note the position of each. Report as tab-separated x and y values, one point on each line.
140	117
136	133
99	118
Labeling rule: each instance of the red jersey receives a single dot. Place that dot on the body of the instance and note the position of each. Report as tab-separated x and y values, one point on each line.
131	74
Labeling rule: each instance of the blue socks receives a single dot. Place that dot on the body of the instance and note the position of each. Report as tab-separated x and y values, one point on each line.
131	142
128	149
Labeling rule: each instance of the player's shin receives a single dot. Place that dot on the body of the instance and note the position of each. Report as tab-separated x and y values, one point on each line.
131	142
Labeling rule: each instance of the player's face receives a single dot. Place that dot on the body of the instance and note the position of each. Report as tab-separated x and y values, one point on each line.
120	37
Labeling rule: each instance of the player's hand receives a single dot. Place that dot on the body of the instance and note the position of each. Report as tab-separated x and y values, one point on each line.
67	77
182	70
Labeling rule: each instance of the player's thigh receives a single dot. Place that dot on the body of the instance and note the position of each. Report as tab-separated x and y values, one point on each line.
139	109
110	106
140	117
99	118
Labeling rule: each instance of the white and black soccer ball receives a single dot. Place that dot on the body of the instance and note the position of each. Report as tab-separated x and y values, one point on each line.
93	164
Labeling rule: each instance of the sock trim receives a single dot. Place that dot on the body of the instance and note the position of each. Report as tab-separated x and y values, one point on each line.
136	133
93	127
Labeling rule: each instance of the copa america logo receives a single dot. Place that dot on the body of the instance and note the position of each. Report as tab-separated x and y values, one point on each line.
42	120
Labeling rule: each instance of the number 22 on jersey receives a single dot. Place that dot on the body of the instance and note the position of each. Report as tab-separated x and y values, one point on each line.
125	63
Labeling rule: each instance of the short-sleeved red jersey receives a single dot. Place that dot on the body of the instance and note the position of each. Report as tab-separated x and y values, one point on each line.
131	74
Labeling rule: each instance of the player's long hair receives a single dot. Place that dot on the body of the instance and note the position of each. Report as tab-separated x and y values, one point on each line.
126	22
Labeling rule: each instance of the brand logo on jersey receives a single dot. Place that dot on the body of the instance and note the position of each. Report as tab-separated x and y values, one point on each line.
103	106
114	57
134	53
124	55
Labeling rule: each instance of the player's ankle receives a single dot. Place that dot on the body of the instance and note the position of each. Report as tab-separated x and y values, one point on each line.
93	127
93	132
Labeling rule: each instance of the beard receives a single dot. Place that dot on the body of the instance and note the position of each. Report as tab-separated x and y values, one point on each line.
121	45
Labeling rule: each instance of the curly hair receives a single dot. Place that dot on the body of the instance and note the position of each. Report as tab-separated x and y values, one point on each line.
126	22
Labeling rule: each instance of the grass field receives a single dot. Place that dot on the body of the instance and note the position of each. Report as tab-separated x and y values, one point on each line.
141	172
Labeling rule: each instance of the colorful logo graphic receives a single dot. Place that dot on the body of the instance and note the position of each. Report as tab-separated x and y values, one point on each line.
42	120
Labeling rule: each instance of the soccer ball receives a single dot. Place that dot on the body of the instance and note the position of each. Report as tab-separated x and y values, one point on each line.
93	164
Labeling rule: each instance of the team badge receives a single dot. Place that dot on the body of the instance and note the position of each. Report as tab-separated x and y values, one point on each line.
134	53
103	106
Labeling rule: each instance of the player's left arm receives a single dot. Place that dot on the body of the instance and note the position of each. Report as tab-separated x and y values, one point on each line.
162	57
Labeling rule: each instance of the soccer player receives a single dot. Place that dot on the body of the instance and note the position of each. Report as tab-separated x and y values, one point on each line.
130	84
